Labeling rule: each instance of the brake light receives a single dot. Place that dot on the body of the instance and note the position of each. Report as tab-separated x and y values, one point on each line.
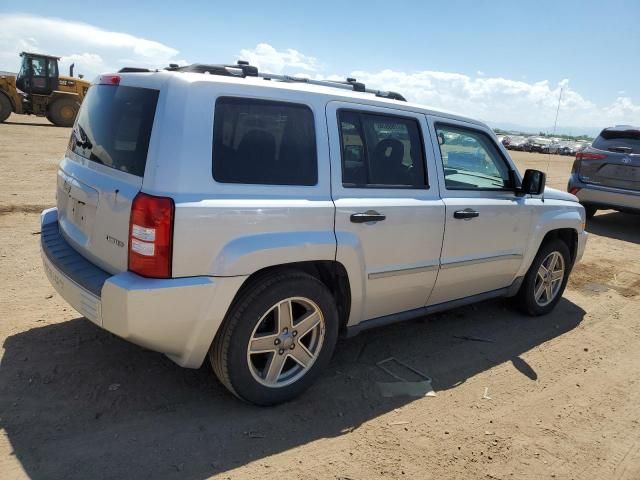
575	168
574	190
151	236
590	156
109	79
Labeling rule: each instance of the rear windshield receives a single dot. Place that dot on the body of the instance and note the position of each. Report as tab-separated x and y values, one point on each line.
625	141
114	126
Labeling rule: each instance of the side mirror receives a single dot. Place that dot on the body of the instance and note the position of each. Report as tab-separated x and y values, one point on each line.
533	182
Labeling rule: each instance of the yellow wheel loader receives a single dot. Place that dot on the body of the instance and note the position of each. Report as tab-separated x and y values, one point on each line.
39	90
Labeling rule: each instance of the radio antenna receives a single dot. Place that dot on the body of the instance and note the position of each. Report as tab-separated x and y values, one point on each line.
555	125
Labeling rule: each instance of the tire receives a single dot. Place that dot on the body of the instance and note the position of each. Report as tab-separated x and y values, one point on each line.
253	317
62	112
590	211
526	297
5	107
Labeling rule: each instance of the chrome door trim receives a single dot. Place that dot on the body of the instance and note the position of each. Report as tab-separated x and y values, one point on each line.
474	261
403	271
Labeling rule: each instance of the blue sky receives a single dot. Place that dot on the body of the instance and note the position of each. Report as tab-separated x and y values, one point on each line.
504	62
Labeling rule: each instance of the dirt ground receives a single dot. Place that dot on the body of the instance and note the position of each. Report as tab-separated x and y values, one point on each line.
564	390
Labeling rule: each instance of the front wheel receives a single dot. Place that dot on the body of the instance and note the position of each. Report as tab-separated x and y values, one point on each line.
546	279
276	338
5	107
62	112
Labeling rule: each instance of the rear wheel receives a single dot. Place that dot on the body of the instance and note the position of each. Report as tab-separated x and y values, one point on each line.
5	107
277	338
546	279
62	112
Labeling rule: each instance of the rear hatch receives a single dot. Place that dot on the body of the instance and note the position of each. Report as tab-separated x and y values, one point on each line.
613	160
103	170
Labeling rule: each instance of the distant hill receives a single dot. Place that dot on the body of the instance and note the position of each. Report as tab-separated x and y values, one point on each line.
560	130
11	74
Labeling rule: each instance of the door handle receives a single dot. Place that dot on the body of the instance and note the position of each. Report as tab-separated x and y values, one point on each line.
466	214
368	216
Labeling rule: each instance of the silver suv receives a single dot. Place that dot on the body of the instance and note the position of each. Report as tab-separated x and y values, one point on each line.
607	174
217	211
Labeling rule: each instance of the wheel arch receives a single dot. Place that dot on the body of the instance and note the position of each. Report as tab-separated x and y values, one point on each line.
331	273
564	225
568	235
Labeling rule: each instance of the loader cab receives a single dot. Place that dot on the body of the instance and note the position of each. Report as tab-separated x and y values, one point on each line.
38	74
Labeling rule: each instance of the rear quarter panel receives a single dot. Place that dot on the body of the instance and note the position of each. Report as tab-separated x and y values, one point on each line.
235	229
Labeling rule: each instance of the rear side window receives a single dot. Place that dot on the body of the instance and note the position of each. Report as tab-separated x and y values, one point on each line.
381	151
114	127
264	142
622	141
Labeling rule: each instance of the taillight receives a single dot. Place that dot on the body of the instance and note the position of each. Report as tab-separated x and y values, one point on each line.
151	236
574	190
590	156
575	168
109	79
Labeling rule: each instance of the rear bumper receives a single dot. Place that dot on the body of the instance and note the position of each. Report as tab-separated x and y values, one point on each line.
178	317
605	197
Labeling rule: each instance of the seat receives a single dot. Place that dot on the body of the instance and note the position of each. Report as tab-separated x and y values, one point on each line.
387	167
257	155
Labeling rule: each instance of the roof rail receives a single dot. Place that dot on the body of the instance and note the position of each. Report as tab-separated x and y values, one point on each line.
243	69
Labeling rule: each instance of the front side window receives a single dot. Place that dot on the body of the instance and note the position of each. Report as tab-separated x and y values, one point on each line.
264	142
471	160
38	66
381	151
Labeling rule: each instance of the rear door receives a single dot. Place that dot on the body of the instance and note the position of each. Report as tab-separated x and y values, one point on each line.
103	170
487	225
389	216
613	160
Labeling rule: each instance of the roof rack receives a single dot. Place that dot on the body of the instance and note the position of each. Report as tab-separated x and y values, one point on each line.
243	69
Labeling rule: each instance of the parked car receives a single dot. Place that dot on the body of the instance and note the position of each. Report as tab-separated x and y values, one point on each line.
504	139
516	143
606	175
252	221
552	148
536	144
570	148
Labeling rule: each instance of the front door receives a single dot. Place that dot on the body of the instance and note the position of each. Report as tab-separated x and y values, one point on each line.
487	225
389	215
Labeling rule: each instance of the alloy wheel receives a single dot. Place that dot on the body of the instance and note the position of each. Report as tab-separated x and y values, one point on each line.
549	279
286	342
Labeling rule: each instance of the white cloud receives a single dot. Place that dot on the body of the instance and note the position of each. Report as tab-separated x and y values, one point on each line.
267	58
94	50
493	99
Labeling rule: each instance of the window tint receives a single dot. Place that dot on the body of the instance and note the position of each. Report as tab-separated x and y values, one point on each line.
381	151
114	127
471	160
264	142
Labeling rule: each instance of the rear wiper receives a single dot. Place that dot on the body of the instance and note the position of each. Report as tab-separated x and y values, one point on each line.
85	143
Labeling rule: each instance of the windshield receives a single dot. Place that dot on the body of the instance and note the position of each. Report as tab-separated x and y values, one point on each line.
114	127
